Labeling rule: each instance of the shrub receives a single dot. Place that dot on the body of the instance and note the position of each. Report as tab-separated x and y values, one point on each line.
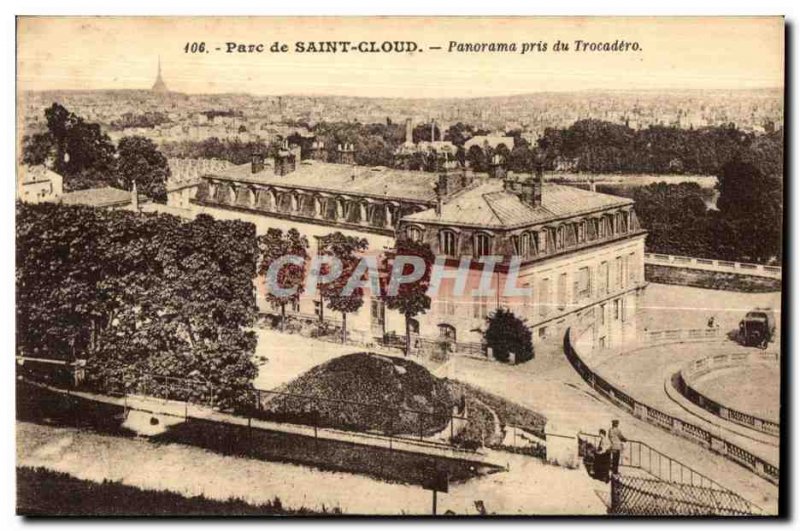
507	333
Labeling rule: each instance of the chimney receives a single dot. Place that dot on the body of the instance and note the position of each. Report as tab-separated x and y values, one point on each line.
498	170
257	162
538	182
440	190
346	154
318	150
285	160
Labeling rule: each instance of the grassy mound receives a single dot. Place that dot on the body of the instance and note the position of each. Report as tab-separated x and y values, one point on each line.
365	392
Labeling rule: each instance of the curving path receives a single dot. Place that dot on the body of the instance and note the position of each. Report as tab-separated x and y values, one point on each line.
642	373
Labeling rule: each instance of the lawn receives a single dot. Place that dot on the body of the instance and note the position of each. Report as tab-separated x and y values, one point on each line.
42	492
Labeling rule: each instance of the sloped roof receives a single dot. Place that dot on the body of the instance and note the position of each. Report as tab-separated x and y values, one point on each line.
379	182
490	140
97	197
35	174
488	205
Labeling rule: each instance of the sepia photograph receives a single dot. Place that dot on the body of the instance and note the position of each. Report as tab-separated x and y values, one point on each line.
399	266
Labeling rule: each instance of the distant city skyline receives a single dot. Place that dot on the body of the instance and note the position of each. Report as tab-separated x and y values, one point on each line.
677	54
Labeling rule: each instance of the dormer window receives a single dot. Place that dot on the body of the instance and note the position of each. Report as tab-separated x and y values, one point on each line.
542	235
447	242
581	231
414	234
483	244
524	244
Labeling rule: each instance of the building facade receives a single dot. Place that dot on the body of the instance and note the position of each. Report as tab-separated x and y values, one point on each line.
580	254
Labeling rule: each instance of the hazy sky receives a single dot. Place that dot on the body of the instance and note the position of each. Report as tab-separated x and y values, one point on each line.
116	53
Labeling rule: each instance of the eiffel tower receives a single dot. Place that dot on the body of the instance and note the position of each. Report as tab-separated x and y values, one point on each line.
159	86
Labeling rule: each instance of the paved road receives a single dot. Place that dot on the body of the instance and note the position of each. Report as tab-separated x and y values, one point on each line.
551	386
642	374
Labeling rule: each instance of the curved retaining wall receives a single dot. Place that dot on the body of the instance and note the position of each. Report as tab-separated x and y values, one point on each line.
688	374
667	422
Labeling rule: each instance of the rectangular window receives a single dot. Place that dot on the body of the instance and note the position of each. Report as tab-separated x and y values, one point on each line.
562	291
616	310
619	282
526	300
584	283
602	317
632	268
544	297
480	307
602	281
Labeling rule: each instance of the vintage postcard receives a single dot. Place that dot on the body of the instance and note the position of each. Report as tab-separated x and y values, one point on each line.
399	266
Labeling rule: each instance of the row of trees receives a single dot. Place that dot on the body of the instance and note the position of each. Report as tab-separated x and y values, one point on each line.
505	332
747	225
139	296
604	147
411	299
86	157
232	150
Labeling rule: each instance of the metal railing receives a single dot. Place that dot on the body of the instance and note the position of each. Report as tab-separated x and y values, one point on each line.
642	456
661	467
667	422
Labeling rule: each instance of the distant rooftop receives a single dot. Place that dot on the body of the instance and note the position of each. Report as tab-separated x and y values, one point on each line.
378	182
97	197
489	206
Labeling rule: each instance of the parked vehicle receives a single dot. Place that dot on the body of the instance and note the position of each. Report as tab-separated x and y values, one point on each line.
757	328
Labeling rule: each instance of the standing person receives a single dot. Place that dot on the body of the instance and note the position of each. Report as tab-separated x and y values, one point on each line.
618	440
601	457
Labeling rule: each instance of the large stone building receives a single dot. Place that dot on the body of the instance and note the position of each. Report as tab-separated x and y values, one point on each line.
581	253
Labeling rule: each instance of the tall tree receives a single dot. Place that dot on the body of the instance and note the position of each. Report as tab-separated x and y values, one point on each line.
273	246
751	198
139	160
347	249
410	299
84	155
139	297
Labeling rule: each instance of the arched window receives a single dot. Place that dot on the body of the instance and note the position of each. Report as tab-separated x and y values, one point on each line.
414	234
581	231
622	222
542	235
447	242
483	244
525	244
